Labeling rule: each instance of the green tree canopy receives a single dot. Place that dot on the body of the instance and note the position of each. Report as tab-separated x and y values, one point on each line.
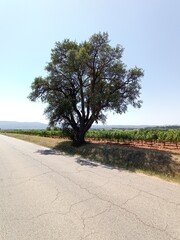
85	80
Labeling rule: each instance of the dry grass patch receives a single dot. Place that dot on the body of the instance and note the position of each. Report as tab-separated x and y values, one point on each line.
151	162
43	141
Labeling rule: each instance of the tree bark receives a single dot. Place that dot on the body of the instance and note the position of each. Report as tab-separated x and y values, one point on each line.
79	137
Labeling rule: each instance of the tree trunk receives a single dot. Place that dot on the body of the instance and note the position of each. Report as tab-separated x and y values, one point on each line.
79	137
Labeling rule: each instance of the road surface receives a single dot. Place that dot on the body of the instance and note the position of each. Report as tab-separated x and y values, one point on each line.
50	196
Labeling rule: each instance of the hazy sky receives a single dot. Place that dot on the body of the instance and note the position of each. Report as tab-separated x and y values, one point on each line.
148	30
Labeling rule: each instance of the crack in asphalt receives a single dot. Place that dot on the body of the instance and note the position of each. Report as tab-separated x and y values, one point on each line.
111	204
36	160
57	196
143	191
165	200
131	199
77	203
151	194
105	200
84	219
53	212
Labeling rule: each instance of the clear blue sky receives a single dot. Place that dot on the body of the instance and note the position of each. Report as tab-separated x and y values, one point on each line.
148	30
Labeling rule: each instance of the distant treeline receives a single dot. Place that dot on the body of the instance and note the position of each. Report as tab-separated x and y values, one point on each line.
148	135
164	127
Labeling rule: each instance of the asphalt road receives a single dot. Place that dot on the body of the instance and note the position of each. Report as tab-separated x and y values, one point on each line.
50	196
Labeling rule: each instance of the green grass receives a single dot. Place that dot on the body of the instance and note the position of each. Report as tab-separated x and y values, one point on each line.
151	162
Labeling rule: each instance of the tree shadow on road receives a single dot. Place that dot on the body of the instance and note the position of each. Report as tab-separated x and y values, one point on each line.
48	152
152	161
83	162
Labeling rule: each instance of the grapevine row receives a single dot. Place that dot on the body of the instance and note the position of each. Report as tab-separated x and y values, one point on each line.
142	136
126	136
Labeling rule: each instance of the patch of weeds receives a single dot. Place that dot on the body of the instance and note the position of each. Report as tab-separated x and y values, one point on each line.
153	162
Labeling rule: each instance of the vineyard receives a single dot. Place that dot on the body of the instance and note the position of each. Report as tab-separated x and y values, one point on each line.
141	136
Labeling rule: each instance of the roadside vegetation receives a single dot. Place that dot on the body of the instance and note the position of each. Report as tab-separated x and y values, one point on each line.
125	149
152	137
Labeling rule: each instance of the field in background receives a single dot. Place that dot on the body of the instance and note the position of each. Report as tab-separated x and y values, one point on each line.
162	139
125	153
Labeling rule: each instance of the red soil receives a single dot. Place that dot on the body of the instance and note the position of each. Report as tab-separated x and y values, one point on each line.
171	148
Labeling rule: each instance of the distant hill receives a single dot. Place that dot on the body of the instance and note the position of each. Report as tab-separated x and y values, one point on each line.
21	125
119	126
135	127
6	125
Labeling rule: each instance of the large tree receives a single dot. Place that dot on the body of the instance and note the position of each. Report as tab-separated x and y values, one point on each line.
85	80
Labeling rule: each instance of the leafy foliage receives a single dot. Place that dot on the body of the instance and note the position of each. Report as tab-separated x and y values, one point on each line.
83	82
